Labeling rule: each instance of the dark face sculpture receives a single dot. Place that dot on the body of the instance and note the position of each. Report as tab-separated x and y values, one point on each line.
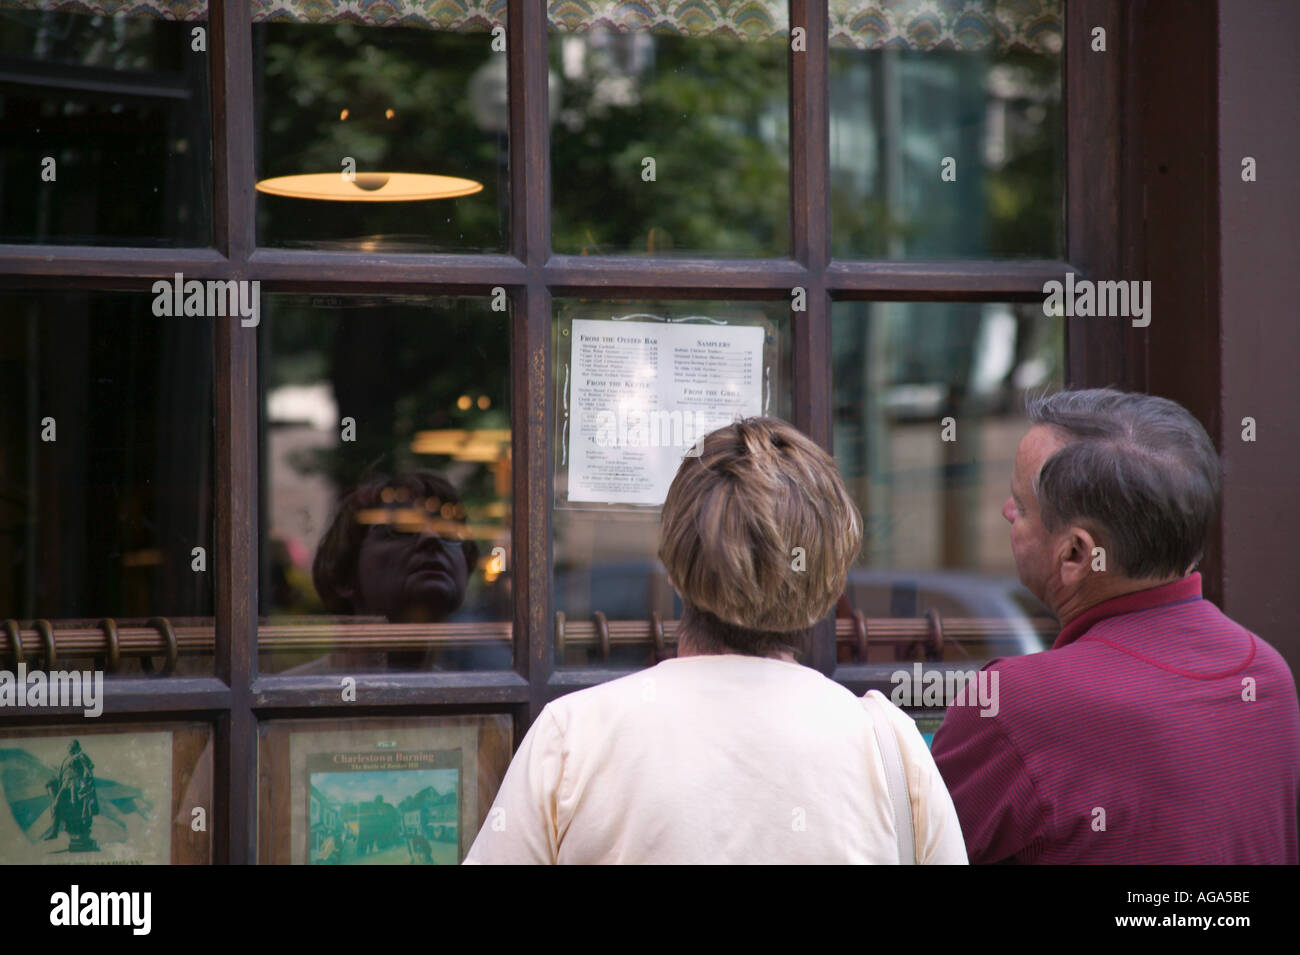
408	576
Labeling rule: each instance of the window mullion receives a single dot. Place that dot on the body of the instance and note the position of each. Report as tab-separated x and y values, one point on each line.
810	244
233	200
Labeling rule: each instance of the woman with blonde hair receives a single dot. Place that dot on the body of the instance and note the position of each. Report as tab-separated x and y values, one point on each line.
732	752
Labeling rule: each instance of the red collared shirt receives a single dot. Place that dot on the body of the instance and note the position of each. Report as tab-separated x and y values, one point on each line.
1155	730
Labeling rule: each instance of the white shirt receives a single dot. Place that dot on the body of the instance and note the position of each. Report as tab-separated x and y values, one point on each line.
714	759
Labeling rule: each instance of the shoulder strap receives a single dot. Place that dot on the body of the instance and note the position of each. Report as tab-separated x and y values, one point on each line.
896	776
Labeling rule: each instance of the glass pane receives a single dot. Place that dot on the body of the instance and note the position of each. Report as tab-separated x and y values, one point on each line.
637	383
106	471
386	484
684	139
361	117
946	153
929	410
104	127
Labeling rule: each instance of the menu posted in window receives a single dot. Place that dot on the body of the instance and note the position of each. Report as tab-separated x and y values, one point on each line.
643	393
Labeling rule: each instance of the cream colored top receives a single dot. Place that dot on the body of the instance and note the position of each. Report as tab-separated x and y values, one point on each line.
713	759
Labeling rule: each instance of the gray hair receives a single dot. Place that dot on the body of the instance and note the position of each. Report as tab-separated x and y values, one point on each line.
1139	472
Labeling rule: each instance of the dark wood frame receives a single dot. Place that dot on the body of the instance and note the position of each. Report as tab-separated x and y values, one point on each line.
236	698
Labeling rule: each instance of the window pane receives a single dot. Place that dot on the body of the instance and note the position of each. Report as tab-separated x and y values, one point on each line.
106	463
386	484
635	385
374	113
104	127
664	144
946	153
929	402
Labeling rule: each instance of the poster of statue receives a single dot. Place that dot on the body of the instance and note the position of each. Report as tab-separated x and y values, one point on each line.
86	799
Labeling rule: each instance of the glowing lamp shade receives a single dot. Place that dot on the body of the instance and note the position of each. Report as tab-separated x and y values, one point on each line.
369	187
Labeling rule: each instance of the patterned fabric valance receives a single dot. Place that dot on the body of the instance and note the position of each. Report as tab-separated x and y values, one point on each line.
1033	25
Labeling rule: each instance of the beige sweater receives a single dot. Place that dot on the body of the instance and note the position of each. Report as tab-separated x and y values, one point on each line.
713	759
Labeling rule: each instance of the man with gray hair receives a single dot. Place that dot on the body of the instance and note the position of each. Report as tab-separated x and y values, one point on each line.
1155	730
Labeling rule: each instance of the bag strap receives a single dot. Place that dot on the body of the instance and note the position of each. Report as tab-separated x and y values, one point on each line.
896	777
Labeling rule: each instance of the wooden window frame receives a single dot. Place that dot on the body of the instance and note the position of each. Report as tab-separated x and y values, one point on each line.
237	698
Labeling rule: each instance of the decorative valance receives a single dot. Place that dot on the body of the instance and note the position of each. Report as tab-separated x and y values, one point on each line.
1032	25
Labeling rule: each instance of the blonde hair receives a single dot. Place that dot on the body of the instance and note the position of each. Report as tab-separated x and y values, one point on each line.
757	535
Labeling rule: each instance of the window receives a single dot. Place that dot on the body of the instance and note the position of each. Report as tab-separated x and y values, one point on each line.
386	496
796	194
106	128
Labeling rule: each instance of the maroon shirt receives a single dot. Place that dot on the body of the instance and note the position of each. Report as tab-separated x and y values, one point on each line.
1138	711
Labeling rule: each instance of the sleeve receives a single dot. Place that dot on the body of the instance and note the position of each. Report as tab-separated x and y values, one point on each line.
1001	813
936	831
522	826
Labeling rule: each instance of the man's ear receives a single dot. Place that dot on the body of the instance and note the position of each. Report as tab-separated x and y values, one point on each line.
1074	558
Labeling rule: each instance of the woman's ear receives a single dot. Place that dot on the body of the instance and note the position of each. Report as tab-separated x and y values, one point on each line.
470	549
347	594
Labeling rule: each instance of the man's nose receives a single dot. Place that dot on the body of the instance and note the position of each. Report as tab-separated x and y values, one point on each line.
1009	511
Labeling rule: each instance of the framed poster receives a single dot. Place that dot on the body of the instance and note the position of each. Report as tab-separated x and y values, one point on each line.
111	795
637	390
378	791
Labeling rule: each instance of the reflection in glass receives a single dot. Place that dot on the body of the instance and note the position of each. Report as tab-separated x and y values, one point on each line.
946	153
104	127
106	457
387	482
605	555
928	401
362	117
399	548
685	137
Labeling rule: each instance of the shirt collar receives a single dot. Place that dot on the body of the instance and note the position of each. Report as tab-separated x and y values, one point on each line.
1186	588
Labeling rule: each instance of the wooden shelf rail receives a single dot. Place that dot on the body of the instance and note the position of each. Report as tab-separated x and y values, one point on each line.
38	643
